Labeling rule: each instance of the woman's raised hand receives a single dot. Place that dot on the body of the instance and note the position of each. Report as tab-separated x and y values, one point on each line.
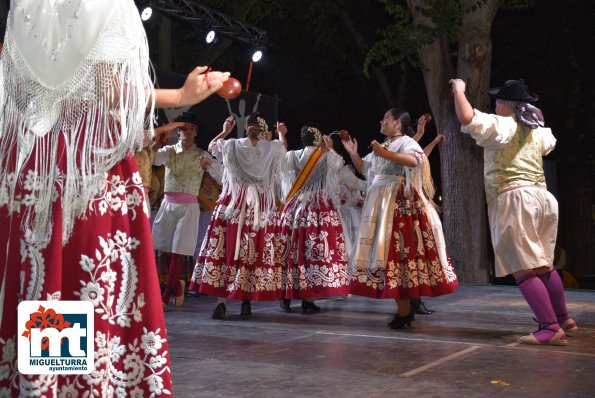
281	128
229	124
350	145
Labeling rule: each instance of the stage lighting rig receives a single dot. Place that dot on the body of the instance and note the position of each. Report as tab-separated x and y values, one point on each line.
146	11
210	37
205	18
257	56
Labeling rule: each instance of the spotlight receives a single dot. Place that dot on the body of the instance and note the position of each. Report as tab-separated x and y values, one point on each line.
145	15
210	37
256	56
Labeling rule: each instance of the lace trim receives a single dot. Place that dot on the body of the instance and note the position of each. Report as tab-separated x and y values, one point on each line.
239	181
97	117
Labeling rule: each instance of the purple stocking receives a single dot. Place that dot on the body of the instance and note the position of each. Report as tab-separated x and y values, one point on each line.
537	297
555	289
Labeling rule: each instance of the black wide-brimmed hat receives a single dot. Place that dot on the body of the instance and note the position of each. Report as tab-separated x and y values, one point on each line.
513	90
188	117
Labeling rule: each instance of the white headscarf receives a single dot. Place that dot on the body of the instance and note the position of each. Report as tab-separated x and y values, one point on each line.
75	72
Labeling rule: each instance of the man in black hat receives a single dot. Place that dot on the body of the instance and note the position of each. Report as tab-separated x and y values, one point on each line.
523	215
175	229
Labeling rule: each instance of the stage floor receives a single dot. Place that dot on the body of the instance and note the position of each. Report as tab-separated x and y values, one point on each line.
466	348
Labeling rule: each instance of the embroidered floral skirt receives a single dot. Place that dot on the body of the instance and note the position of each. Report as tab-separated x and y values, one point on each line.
108	261
315	253
238	259
413	267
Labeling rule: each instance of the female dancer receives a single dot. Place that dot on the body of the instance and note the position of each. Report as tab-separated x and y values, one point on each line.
237	259
396	255
423	181
75	99
311	229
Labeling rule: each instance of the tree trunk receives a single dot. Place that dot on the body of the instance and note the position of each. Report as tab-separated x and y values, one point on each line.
461	161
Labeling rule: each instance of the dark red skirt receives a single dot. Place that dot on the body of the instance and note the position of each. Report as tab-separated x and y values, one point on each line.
413	268
315	253
239	260
108	261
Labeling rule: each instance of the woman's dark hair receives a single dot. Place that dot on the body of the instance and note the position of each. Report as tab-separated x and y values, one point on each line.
254	129
252	119
307	136
405	119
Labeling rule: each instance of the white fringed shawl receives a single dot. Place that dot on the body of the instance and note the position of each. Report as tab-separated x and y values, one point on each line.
73	71
324	178
249	172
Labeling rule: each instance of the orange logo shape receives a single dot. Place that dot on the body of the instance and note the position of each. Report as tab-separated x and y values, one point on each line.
43	319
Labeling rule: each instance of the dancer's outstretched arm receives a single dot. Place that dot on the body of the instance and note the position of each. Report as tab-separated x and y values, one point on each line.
463	108
351	148
440	138
401	158
421	126
282	132
228	125
199	84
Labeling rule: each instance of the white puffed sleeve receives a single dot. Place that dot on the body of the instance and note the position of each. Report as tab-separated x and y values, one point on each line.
548	141
216	168
349	179
162	155
489	130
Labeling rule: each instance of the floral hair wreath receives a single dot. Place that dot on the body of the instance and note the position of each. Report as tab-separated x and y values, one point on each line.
317	135
259	131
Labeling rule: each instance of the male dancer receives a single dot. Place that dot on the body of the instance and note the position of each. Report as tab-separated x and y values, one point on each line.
523	215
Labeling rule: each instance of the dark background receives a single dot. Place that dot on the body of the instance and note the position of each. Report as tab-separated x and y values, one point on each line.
312	70
315	70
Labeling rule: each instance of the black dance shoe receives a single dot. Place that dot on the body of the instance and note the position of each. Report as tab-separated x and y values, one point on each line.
399	321
420	308
286	305
309	306
219	312
246	310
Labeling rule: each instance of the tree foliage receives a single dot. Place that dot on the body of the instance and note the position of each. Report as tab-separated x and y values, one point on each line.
400	40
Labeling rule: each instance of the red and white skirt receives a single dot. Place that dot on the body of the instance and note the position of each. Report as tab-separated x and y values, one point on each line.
314	248
108	261
238	259
396	254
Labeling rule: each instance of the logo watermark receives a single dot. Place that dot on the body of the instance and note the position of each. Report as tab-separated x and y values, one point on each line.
55	337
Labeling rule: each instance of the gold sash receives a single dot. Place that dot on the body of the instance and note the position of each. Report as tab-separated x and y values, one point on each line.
304	174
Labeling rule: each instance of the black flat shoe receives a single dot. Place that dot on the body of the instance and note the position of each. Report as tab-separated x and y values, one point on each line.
421	309
309	306
246	310
219	312
399	321
286	305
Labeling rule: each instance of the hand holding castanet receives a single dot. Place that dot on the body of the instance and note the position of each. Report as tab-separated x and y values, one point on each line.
344	134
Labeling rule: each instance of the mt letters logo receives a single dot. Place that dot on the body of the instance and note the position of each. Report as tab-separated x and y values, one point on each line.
56	337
